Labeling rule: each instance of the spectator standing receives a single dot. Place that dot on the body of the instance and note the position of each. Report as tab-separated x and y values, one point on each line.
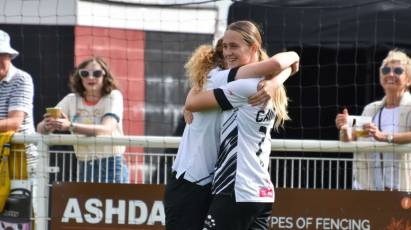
16	101
95	108
391	122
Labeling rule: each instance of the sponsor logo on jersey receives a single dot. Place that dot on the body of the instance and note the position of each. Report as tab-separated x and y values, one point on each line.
266	192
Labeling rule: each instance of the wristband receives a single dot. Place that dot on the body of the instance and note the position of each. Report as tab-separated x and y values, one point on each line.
390	138
72	127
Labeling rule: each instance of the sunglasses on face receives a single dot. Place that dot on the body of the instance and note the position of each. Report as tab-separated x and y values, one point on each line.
84	73
396	70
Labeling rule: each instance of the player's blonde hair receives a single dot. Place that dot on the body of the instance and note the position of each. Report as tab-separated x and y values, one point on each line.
202	60
251	36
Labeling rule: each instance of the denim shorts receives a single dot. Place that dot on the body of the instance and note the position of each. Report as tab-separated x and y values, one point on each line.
104	170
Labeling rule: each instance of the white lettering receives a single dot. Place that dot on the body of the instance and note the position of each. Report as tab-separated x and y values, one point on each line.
344	222
341	224
132	218
366	225
105	211
93	207
303	222
72	211
157	214
281	222
111	210
309	221
333	223
318	222
300	223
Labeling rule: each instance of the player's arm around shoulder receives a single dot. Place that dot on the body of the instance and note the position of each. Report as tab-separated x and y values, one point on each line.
223	97
198	100
270	67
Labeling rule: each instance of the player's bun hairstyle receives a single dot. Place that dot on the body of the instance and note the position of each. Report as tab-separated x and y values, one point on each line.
251	35
201	61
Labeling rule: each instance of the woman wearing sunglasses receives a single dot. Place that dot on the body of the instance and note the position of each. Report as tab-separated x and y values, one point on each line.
391	122
94	108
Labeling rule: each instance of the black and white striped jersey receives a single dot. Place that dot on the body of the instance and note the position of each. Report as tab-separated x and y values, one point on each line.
243	158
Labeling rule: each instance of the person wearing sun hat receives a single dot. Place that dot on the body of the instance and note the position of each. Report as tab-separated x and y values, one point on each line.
16	96
5	45
16	113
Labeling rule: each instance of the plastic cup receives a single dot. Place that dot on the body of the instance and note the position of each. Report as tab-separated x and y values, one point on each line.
361	133
54	112
357	122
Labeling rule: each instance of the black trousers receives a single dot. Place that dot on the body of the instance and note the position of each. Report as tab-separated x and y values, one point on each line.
186	204
227	214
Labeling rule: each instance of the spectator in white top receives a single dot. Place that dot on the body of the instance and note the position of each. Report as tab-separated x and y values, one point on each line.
95	108
391	122
16	96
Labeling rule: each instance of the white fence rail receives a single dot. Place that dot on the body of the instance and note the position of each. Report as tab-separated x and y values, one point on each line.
172	142
153	168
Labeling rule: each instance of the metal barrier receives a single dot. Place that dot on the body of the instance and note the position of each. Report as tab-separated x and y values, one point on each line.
155	168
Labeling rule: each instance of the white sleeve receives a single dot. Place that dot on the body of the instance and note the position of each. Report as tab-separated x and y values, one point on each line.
114	105
65	103
218	77
21	96
236	93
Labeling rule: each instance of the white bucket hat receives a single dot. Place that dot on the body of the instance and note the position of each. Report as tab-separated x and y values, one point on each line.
5	45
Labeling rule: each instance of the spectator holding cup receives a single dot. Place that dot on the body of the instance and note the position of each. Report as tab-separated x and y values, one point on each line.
391	123
54	112
94	108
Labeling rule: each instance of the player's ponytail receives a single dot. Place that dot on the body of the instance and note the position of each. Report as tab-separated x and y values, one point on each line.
252	36
280	104
280	99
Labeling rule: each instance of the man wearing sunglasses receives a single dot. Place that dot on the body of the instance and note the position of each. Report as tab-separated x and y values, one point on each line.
391	122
